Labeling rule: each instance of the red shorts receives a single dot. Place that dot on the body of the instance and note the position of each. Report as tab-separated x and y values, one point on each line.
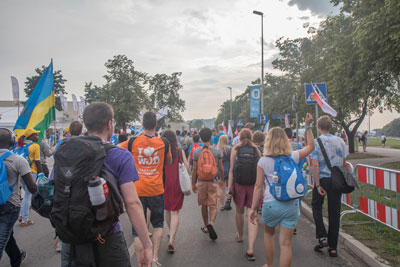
243	195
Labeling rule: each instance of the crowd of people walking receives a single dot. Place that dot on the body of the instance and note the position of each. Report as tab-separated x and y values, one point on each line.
141	175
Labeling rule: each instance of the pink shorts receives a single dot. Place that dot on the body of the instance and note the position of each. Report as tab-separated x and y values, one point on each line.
243	195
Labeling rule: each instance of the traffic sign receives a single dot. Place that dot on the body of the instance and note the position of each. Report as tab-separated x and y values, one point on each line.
308	88
279	117
262	118
240	123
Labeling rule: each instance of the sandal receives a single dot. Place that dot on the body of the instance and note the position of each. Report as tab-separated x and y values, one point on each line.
204	229
332	252
171	249
20	218
237	238
155	263
27	223
222	208
211	232
250	257
322	243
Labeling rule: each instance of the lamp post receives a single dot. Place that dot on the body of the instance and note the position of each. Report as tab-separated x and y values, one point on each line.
230	88
259	13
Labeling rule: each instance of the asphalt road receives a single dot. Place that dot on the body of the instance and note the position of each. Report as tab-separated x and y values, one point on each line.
194	248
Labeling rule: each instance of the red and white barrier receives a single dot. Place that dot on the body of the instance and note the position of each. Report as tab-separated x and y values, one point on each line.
383	178
384	214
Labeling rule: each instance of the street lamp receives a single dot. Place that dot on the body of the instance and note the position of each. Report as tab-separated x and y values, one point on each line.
230	88
259	13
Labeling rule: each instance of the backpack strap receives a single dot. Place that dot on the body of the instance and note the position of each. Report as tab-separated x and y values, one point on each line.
328	162
5	155
180	159
166	144
130	143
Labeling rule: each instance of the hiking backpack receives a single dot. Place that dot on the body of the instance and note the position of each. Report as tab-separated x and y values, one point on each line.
78	160
226	162
5	190
23	151
291	183
206	165
245	166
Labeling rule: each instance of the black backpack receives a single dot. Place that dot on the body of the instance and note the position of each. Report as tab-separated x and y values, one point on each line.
72	214
245	167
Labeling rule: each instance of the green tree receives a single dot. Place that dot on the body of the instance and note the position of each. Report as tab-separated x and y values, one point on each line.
123	90
392	129
59	86
164	90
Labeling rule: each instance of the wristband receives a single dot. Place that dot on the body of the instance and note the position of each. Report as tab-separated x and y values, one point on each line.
308	127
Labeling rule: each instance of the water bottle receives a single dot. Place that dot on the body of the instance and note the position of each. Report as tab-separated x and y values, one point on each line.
96	191
227	205
276	185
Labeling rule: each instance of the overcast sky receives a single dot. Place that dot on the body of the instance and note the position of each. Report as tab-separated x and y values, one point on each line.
214	43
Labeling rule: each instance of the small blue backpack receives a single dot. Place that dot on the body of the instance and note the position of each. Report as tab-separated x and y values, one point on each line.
5	190
291	183
24	152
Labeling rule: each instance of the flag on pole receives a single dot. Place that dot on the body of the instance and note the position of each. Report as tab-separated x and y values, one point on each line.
39	110
75	104
223	124
162	112
287	125
321	102
15	90
63	101
82	105
266	127
230	133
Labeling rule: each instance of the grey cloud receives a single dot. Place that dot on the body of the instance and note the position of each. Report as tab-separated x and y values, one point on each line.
320	7
203	82
304	18
289	18
209	69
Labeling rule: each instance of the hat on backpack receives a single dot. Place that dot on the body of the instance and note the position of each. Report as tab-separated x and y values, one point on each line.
29	132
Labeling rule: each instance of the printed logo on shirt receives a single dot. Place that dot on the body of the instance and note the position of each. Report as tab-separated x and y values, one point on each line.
148	158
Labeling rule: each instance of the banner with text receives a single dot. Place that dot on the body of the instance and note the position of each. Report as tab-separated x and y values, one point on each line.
254	101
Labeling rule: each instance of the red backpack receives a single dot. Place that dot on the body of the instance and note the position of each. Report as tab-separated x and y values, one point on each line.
206	165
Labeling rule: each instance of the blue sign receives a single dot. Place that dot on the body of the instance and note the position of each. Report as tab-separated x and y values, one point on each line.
262	118
240	123
254	101
279	117
308	88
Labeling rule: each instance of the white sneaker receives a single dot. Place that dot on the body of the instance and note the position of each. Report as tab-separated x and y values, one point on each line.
155	264
58	246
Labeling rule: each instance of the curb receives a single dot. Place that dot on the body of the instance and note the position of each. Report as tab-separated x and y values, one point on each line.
354	246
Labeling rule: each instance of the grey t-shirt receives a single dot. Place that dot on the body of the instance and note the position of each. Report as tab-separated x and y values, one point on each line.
16	166
216	153
44	151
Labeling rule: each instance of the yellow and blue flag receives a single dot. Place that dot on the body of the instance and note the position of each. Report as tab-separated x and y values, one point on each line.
39	110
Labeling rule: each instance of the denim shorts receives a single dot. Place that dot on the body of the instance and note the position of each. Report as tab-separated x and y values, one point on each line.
156	206
280	212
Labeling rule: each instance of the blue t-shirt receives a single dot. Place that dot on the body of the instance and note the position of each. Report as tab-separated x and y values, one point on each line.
62	140
335	149
215	139
114	139
120	163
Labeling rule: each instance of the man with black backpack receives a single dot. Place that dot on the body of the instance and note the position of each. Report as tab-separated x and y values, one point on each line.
93	182
11	168
335	151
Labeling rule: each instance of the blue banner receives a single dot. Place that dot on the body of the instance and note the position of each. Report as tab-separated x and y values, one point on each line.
254	101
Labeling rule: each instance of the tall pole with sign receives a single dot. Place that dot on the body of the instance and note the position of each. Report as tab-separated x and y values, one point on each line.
259	13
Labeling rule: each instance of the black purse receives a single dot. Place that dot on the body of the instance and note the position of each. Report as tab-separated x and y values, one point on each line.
343	180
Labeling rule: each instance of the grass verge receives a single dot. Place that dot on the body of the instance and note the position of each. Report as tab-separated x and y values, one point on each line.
390	142
358	155
383	240
391	165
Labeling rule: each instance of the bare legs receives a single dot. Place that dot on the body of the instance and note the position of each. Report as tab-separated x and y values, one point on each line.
172	218
221	194
156	238
213	214
285	243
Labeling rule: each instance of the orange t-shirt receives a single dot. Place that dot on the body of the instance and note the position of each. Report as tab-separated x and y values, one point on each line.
149	156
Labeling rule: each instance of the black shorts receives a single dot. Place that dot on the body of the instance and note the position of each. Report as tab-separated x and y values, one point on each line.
156	206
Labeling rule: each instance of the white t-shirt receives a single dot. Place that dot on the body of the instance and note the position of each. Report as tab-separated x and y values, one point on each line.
383	137
267	163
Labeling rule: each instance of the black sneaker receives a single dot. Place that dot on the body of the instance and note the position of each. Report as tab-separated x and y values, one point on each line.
23	257
227	205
